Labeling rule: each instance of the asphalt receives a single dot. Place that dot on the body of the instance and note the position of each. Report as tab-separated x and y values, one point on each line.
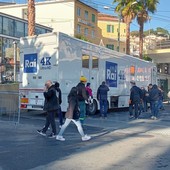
115	120
19	140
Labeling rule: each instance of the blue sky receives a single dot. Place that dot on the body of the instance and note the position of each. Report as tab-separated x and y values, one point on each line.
160	19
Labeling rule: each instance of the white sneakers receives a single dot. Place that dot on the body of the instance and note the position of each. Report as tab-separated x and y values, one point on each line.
153	117
86	137
61	138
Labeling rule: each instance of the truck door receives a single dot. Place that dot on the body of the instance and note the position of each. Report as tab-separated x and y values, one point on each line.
90	64
94	76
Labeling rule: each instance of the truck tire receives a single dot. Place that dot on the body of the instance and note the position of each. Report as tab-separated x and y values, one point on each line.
93	108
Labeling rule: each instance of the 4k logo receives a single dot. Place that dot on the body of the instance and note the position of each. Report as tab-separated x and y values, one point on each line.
45	61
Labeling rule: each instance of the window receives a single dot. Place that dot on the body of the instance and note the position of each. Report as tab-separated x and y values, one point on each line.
26	30
86	15
110	46
0	49
19	29
78	28
110	28
166	68
85	61
0	25
95	62
86	31
78	11
39	30
25	13
8	26
93	18
93	34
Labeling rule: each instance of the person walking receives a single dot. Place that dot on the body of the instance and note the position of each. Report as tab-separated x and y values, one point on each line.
135	100
161	98
90	98
102	98
144	100
154	96
82	97
73	115
149	101
59	111
51	105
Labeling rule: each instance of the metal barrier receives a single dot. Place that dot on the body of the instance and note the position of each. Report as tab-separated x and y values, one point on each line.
9	106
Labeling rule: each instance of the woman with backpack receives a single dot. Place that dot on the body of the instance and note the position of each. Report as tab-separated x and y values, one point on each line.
73	115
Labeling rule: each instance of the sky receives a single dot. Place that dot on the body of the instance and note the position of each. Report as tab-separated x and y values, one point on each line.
161	18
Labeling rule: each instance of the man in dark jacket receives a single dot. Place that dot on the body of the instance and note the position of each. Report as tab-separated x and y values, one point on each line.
59	95
102	97
154	96
82	96
135	99
144	100
51	105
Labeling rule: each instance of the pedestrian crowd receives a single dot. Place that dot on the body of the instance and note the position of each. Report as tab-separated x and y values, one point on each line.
142	99
80	100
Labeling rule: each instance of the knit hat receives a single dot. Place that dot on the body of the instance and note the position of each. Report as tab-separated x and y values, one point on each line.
88	84
83	79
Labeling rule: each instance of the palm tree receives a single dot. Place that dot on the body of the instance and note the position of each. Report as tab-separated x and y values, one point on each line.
31	17
125	9
143	8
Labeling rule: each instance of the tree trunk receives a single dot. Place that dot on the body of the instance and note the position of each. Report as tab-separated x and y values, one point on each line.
31	17
128	38
141	40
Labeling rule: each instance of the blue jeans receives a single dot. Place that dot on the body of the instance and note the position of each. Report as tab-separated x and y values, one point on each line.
154	106
103	108
145	104
160	104
50	119
60	115
136	108
82	106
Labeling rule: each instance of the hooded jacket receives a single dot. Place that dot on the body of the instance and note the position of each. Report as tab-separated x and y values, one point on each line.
51	102
135	94
102	92
154	93
82	94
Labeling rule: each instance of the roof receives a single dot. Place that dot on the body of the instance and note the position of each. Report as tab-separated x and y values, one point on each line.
107	17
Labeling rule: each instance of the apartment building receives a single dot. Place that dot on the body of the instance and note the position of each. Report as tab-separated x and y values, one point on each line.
112	32
72	17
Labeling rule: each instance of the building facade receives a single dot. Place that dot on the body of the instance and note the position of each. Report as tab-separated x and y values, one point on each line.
11	29
160	56
112	32
72	17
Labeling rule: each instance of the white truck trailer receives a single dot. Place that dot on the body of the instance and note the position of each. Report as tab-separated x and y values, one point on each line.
62	58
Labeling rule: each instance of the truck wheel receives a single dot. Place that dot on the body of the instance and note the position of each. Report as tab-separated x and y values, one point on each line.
93	108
